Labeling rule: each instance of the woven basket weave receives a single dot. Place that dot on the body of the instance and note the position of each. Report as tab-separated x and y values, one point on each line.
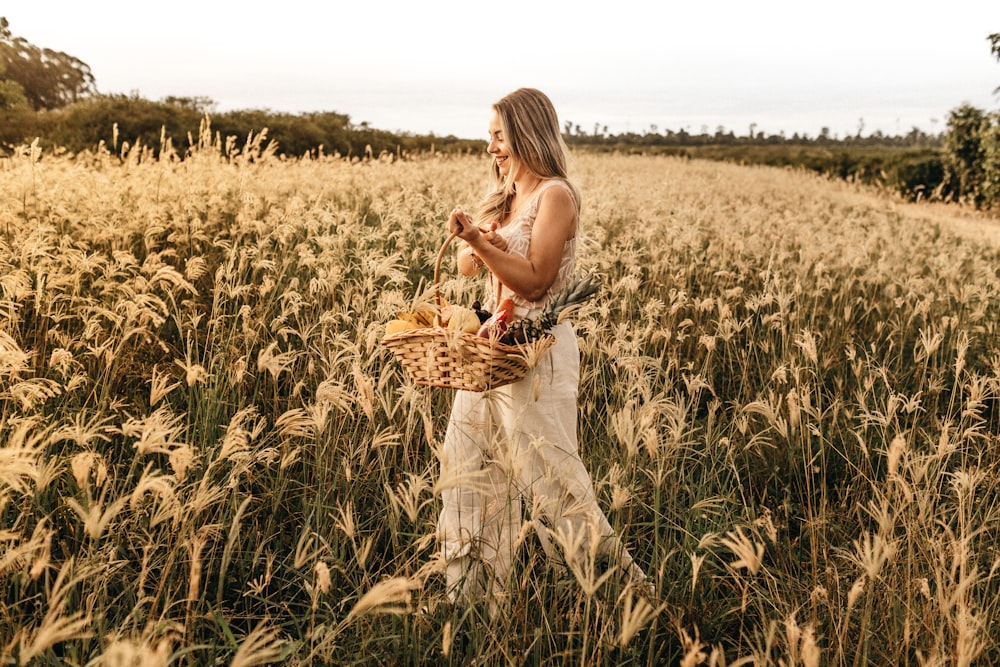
440	357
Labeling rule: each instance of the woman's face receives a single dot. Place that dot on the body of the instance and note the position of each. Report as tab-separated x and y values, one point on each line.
498	145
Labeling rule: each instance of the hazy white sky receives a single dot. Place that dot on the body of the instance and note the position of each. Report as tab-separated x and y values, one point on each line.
436	66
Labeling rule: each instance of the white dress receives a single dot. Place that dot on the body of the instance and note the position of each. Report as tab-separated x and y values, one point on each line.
519	443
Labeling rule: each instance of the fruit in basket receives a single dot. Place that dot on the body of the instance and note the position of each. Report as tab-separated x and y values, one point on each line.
495	326
400	324
423	316
463	319
419	318
444	315
507	306
528	330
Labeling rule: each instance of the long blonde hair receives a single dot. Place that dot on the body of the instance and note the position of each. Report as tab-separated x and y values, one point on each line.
531	131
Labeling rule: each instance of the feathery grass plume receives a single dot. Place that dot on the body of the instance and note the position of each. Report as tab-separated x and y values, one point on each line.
137	653
82	463
95	514
580	541
857	588
56	625
323	582
18	552
295	423
801	643
41	544
13	360
693	647
157	433
306	550
621	492
160	385
262	646
193	373
872	552
275	363
364	390
335	395
195	545
897	448
446	639
391	596
406	497
20	455
33	392
748	552
166	506
697	561
245	426
636	614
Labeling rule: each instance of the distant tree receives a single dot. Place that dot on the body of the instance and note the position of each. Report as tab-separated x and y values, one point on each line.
16	117
964	152
991	161
11	95
200	104
50	79
995	50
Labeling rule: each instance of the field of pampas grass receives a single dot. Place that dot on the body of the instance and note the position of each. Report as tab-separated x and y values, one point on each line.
788	403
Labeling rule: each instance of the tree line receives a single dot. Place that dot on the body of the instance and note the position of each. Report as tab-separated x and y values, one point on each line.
52	97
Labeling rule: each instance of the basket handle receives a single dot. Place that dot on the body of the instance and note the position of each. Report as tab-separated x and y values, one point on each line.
437	275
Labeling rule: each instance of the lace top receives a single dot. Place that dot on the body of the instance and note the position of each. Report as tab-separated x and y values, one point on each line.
517	234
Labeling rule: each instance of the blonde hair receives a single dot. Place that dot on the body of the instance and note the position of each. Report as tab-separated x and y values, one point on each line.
531	131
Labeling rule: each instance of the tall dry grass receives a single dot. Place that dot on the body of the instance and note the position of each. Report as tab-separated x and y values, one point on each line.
788	403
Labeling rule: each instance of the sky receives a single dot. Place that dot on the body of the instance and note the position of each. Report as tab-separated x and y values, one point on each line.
792	66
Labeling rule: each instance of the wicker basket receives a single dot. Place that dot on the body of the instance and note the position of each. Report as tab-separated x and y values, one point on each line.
440	357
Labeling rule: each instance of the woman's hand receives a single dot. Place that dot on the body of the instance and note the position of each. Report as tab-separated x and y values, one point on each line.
499	242
470	262
461	223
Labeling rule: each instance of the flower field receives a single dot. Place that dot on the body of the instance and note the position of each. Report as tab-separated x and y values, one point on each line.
788	403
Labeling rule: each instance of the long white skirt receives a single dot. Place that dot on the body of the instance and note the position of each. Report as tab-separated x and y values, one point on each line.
516	446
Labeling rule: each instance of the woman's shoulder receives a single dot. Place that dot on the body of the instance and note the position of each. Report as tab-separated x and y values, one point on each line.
559	194
556	184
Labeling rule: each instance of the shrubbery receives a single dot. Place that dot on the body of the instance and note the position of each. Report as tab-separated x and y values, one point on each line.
115	119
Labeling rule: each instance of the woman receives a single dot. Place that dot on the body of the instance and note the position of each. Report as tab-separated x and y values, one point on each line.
519	441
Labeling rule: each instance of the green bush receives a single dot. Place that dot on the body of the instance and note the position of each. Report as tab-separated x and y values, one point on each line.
115	120
916	175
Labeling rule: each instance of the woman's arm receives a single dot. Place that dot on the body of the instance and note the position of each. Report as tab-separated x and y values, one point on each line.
530	278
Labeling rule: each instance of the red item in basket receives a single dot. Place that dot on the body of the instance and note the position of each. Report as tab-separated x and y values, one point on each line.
495	325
